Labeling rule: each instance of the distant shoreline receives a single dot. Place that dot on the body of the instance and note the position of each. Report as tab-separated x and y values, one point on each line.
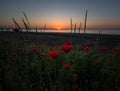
88	31
89	35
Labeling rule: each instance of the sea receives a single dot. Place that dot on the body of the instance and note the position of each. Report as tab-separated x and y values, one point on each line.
88	31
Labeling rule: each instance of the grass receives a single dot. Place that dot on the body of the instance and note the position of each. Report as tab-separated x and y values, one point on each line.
25	64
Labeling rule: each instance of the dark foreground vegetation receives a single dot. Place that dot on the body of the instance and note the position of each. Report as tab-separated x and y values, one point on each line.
59	62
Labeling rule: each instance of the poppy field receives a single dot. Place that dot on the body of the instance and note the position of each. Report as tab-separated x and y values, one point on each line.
33	62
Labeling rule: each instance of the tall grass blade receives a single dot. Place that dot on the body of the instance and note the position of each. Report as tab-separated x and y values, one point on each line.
25	24
71	24
36	29
75	28
44	27
16	24
41	29
99	36
85	21
26	18
79	27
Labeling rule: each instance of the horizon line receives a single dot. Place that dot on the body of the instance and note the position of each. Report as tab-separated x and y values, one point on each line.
106	28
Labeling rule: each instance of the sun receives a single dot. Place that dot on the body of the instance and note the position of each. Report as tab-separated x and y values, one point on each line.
59	28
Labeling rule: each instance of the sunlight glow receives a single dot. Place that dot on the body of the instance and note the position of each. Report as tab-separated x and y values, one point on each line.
59	28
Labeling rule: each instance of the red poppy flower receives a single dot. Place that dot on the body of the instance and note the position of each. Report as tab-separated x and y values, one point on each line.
16	30
8	49
104	49
40	46
7	41
50	49
75	86
69	42
116	49
43	54
66	48
93	43
50	58
11	57
54	44
87	48
67	66
35	49
61	34
54	54
27	53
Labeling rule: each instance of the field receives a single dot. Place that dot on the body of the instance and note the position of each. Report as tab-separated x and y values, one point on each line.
59	62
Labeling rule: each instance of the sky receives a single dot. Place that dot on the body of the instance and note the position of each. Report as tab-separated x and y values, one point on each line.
57	13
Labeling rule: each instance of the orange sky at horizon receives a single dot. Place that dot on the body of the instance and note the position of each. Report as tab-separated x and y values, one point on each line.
62	24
